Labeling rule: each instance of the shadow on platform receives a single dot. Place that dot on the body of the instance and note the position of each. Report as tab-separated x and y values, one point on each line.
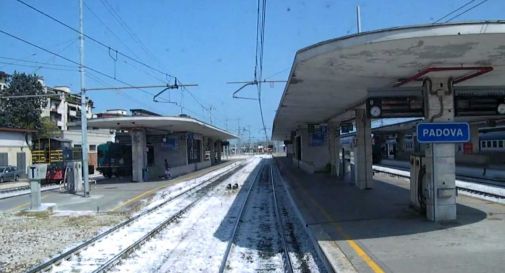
345	210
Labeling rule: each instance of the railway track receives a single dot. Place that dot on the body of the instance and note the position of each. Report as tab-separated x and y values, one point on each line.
265	173
489	191
106	250
288	265
24	190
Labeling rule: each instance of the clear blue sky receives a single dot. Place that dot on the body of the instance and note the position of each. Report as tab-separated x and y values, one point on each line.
203	42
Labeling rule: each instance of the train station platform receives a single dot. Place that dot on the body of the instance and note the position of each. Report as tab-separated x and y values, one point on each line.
107	195
376	231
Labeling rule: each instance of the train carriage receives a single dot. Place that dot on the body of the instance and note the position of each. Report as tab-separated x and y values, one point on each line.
55	152
114	159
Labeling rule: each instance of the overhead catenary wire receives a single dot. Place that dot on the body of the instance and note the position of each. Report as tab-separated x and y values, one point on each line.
107	47
37	66
258	62
467	10
125	45
123	94
36	62
260	52
454	11
466	4
68	60
110	30
128	30
161	100
93	39
134	37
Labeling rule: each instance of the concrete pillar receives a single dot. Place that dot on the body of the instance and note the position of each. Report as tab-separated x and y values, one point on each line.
338	150
332	133
474	138
139	154
440	161
401	154
219	147
212	145
334	148
35	194
363	151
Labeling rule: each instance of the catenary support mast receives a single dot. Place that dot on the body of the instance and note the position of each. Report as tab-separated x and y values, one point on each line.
84	121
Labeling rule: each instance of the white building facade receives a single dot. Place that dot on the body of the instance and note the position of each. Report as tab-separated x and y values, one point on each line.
15	148
65	108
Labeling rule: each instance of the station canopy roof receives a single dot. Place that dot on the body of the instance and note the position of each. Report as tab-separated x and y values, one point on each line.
157	125
330	78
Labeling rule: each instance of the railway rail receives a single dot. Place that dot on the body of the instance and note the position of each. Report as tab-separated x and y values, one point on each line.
24	190
226	255
288	265
279	223
478	189
133	225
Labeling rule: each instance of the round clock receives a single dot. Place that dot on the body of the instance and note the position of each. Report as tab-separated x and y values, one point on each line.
375	111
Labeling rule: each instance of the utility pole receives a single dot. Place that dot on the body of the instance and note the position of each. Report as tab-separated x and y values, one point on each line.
238	132
249	131
84	120
211	108
358	18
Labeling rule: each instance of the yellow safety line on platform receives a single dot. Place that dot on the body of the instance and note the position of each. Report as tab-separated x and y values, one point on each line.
181	178
138	196
348	239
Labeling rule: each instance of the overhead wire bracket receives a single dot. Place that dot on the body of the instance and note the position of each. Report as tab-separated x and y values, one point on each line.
248	83
114	58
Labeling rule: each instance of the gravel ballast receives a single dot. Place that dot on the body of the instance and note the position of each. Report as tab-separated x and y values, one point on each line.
27	240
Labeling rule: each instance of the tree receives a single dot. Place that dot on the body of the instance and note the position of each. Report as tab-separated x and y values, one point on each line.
22	113
48	128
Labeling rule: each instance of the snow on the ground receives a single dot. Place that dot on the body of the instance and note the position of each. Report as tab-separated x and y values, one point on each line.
73	213
10	185
301	251
170	192
195	243
28	240
257	246
106	248
27	191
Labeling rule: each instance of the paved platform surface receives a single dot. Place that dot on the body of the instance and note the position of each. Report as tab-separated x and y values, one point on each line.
376	231
113	195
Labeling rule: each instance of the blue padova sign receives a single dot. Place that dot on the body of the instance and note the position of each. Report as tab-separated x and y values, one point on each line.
443	132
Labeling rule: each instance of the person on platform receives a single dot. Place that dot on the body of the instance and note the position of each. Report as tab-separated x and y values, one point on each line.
168	174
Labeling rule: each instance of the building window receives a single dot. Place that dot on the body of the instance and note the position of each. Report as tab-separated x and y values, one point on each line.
92	147
500	143
494	144
194	150
483	144
4	159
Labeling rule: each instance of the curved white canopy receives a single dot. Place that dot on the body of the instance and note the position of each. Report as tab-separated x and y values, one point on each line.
333	76
160	125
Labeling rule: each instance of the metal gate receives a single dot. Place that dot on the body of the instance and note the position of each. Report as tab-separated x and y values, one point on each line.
4	159
21	163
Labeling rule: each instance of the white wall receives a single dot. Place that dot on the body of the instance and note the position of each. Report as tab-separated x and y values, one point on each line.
316	156
13	139
95	137
13	143
175	157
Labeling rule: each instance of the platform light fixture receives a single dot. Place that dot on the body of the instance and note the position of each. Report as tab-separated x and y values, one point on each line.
398	106
501	108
